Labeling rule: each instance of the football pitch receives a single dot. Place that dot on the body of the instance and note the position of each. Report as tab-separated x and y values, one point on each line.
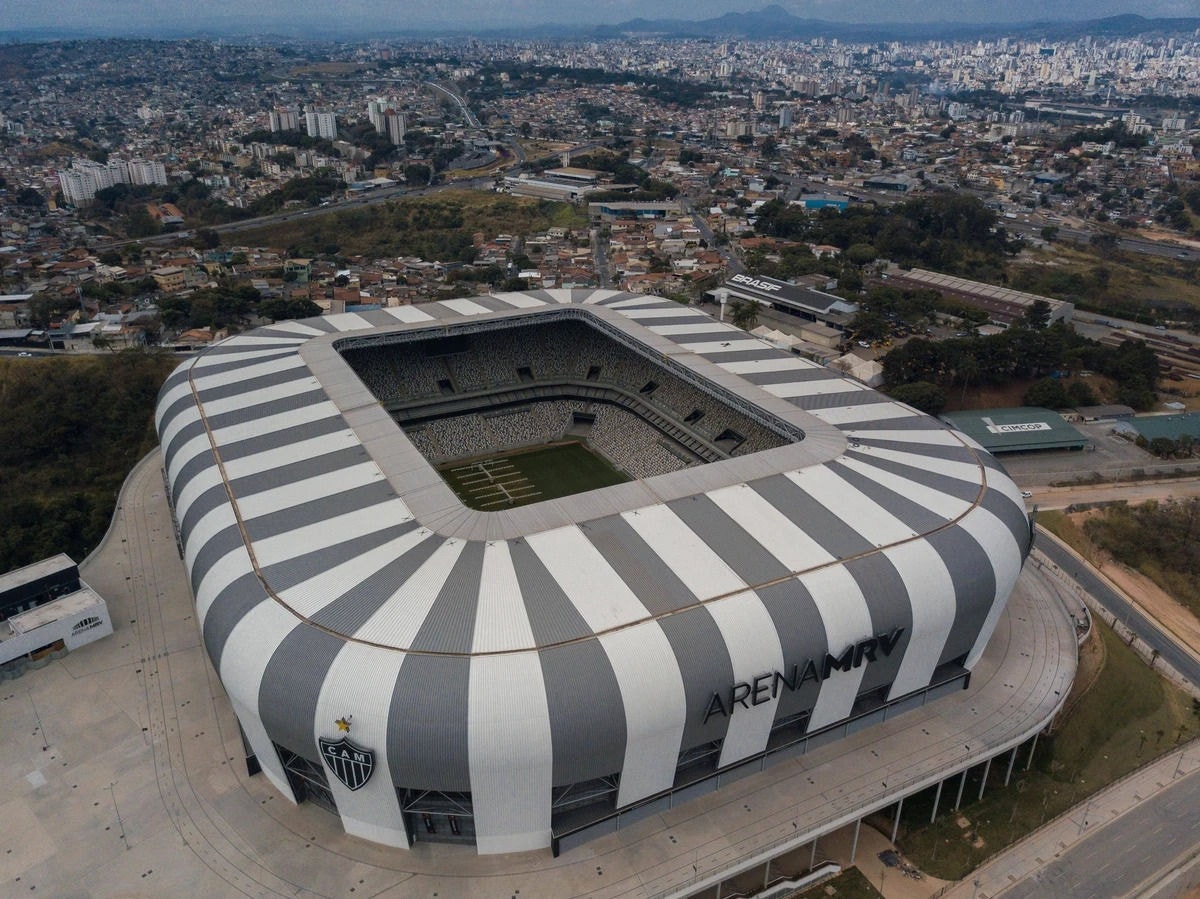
529	476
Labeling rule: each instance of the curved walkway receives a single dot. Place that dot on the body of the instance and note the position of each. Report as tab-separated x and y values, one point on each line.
142	784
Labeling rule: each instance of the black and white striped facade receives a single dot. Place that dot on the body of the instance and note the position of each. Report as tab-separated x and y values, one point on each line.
495	659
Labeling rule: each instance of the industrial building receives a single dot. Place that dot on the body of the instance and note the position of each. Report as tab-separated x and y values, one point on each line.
1002	304
801	300
1018	430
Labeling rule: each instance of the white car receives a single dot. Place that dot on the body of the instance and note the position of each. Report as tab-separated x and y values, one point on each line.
1026	494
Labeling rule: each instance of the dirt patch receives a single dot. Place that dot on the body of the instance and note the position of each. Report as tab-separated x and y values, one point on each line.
1000	396
1172	614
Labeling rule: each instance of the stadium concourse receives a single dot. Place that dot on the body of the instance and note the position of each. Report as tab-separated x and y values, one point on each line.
805	562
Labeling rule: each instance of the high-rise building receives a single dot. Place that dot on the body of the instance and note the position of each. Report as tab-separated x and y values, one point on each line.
80	183
787	115
395	126
375	110
320	123
284	118
146	171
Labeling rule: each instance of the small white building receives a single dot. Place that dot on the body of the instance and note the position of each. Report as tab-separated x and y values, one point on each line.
45	611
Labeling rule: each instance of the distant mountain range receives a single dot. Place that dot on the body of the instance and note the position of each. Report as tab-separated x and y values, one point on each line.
776	23
770	23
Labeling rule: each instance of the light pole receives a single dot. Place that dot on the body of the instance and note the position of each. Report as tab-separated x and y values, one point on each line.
1083	821
38	719
120	823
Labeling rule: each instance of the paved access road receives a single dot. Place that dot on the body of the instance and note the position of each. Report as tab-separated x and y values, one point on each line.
1116	859
1130	492
1182	661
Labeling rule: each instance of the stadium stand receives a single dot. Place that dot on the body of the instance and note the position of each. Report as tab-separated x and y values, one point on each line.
406	375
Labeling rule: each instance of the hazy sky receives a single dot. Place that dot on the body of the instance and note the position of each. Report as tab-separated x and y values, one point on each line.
136	16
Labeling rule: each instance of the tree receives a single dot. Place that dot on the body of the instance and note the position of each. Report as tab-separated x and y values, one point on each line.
1037	316
744	313
1081	394
280	309
30	198
417	174
1047	393
861	253
1050	233
869	325
922	395
1163	447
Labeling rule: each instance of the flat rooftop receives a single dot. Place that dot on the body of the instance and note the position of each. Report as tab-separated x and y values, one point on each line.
35	571
1015	430
49	612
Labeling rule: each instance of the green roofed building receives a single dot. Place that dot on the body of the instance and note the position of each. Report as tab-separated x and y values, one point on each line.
1170	426
1019	430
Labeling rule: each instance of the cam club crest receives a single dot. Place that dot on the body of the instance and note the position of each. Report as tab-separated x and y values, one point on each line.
351	764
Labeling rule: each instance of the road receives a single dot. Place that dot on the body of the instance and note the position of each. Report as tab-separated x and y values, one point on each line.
1083	573
457	98
380	196
1118	857
600	257
1130	492
733	265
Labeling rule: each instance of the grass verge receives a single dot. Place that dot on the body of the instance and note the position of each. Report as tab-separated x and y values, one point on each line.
1128	716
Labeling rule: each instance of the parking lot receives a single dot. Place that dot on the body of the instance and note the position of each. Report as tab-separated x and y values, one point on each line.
1109	456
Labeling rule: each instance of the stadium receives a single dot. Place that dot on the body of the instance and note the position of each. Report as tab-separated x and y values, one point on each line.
518	570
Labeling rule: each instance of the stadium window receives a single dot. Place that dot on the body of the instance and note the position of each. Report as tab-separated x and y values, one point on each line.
697	763
694	416
788	730
524	374
445	386
649	387
869	700
593	373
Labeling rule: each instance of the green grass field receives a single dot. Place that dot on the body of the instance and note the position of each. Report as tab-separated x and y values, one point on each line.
1128	717
509	480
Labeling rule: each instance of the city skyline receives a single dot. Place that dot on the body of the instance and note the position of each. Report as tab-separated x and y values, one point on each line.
167	17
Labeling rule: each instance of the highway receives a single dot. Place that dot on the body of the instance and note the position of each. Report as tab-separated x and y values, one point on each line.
380	196
1148	838
457	98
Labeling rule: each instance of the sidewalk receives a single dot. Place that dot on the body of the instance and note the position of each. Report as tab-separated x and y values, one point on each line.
1029	856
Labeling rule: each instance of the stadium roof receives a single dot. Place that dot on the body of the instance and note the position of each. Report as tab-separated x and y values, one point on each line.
283	396
334	570
1017	430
